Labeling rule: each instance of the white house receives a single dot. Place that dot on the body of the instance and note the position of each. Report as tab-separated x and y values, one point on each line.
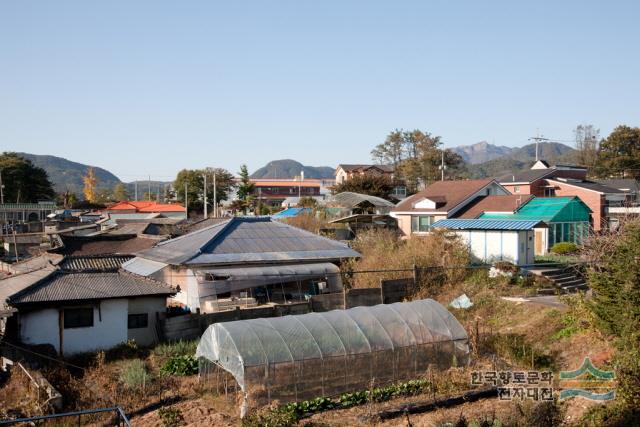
83	311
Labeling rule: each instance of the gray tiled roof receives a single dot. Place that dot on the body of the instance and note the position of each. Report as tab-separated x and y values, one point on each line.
95	263
247	239
62	286
15	284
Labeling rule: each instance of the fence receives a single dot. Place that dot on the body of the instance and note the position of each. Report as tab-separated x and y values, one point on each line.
191	326
119	415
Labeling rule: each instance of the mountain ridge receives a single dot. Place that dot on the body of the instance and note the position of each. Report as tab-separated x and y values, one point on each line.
289	168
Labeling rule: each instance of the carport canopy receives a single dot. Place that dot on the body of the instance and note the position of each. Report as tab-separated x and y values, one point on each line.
233	278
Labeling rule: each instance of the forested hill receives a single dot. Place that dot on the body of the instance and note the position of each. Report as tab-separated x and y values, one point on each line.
288	168
67	175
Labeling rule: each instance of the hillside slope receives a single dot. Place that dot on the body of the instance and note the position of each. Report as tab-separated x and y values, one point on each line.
67	175
287	168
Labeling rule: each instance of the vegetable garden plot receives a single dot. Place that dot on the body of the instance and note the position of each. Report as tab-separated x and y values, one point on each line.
300	357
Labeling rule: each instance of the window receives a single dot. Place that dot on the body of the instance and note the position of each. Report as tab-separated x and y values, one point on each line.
421	224
516	188
136	321
78	317
549	192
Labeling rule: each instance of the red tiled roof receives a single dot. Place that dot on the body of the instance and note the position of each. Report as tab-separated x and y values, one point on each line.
504	203
146	206
448	193
291	183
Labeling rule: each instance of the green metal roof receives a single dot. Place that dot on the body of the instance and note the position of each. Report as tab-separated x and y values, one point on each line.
548	209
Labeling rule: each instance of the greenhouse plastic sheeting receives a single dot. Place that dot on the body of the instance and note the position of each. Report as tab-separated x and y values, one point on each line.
324	354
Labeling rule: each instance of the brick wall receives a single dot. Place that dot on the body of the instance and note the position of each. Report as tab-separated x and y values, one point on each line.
595	201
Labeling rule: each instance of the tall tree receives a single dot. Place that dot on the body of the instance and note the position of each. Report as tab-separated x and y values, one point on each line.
587	145
245	187
120	192
417	157
391	151
194	180
23	182
371	184
619	154
90	185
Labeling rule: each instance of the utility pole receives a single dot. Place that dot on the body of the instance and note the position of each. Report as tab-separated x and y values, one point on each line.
1	189
538	138
136	190
442	166
215	196
206	215
149	193
186	200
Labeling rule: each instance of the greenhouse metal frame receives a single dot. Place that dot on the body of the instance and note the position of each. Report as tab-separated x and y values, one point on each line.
300	357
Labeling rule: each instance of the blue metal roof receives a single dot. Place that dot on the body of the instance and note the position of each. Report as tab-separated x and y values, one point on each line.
291	212
487	224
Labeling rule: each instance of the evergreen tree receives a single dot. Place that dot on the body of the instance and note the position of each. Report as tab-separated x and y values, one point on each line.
23	182
246	187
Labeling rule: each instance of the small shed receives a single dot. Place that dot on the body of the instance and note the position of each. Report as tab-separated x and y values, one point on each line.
492	240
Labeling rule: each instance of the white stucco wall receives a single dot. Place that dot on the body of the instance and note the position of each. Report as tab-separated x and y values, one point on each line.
40	327
109	328
491	246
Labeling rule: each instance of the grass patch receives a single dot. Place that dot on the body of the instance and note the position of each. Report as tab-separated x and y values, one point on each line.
515	348
134	374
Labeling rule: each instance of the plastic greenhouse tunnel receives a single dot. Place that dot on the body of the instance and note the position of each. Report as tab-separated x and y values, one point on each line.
294	358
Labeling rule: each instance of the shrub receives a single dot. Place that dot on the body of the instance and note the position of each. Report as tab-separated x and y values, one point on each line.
507	267
180	365
134	374
270	417
176	348
564	248
170	417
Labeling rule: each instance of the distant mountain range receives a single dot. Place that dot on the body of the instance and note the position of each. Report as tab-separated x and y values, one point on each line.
518	159
482	152
288	168
483	160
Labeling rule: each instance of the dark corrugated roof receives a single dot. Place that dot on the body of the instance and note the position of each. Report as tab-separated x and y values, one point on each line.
94	263
104	244
530	175
626	185
89	286
248	239
589	185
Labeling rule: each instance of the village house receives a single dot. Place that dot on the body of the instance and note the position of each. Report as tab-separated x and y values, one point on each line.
286	192
441	200
25	217
244	260
83	304
543	180
344	172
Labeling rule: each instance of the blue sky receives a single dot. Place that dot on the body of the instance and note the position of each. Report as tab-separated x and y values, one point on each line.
152	87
